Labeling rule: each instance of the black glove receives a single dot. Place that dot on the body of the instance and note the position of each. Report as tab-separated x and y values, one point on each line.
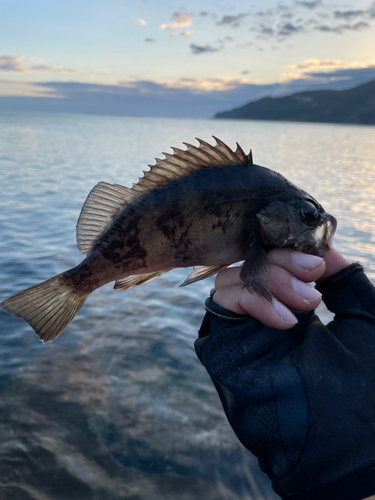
302	400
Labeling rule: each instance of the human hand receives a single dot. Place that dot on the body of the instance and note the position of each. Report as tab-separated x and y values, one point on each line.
301	399
290	271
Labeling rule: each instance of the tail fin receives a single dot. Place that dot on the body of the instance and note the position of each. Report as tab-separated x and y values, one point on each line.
47	307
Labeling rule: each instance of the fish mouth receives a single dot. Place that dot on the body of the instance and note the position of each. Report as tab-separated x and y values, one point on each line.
320	240
323	234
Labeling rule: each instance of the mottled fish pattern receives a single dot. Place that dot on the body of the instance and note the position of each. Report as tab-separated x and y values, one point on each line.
204	206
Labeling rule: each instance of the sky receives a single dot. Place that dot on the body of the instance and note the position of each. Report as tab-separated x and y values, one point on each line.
179	59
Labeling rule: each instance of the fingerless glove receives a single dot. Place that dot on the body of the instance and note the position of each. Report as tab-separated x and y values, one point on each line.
302	400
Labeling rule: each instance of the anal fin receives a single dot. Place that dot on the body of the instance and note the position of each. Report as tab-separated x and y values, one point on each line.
255	270
201	273
136	280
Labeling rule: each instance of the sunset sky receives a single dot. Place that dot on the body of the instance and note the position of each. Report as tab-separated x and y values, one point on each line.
174	59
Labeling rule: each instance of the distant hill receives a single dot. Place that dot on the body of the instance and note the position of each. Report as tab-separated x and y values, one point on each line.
356	105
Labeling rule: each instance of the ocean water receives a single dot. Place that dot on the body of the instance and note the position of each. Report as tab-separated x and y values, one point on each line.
119	407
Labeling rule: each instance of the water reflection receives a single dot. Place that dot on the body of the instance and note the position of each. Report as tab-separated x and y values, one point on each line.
103	420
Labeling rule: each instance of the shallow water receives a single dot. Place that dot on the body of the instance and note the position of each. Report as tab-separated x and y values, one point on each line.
119	406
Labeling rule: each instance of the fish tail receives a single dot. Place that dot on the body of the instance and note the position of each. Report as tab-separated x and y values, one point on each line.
48	307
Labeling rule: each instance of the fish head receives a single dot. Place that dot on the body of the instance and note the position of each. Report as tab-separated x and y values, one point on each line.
299	223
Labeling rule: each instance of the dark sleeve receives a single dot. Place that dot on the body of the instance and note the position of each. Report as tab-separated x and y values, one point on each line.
302	400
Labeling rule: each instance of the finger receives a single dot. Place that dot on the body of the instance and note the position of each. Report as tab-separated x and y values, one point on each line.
289	290
228	277
335	262
305	267
239	300
292	292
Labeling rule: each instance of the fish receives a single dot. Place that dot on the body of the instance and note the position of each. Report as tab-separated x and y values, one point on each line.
204	206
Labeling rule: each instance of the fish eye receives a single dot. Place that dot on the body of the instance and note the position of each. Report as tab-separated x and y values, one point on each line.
309	213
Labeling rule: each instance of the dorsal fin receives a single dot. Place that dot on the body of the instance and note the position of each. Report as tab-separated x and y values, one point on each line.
183	162
105	200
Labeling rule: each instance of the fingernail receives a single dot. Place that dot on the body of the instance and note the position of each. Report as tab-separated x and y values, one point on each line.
308	293
306	261
284	312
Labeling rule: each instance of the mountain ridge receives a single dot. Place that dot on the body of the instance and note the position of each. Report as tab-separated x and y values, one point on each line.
355	105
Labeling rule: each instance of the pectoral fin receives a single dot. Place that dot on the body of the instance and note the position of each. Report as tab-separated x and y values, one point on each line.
201	273
255	270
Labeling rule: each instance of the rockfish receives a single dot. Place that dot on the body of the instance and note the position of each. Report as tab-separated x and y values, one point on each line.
204	206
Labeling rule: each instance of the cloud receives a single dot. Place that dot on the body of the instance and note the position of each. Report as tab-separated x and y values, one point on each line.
288	29
309	64
329	64
184	33
309	5
199	49
350	77
140	22
233	21
224	40
283	21
192	85
266	30
341	28
280	32
275	12
181	21
11	88
220	84
53	69
327	70
348	15
183	98
277	23
14	63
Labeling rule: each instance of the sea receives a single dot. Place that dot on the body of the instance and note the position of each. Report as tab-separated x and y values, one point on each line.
119	406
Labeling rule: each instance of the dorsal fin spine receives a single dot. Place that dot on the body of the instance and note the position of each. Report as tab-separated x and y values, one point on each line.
166	173
209	160
150	176
230	155
160	176
241	154
209	150
172	161
190	156
161	166
139	188
215	151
